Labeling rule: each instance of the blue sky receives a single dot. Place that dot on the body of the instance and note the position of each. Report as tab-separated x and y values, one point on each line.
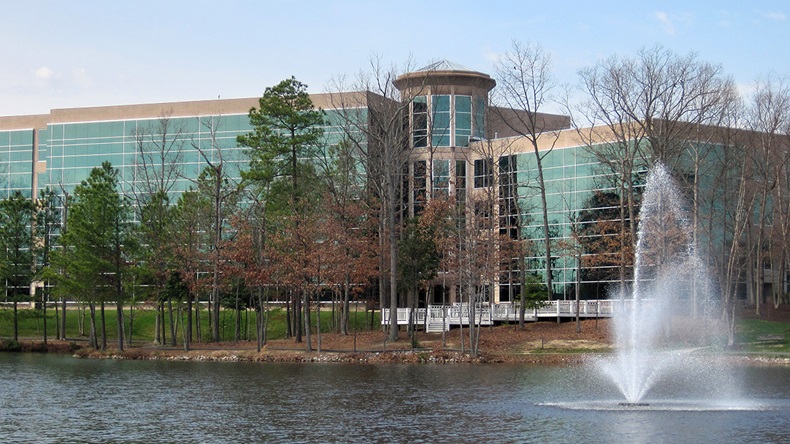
58	54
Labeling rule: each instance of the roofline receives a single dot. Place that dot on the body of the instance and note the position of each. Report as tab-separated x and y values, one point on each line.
148	111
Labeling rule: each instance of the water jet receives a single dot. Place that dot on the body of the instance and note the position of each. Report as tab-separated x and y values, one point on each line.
669	313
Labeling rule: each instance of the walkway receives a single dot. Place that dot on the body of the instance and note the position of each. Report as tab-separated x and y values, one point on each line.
436	318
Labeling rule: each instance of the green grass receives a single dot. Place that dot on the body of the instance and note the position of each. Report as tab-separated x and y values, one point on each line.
749	331
31	324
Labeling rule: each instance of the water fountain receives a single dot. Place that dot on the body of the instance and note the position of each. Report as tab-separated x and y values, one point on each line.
670	316
668	331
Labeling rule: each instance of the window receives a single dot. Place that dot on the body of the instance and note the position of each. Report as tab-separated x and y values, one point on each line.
484	173
419	122
418	192
440	131
480	118
460	187
441	176
463	120
508	208
460	176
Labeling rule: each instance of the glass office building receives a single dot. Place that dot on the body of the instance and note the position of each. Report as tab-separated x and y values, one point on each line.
450	119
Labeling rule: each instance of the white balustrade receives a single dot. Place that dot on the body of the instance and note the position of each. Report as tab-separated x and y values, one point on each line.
438	316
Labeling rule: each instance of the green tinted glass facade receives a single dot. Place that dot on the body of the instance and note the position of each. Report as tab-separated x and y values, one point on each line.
74	149
440	130
68	151
463	120
16	162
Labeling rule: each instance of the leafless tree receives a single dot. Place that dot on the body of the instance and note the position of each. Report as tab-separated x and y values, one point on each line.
524	88
215	181
738	210
158	166
646	109
159	157
768	119
382	138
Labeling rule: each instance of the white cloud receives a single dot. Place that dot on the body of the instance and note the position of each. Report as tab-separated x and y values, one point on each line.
664	19
745	89
774	15
492	56
44	73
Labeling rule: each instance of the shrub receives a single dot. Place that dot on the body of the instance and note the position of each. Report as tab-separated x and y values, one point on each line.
9	345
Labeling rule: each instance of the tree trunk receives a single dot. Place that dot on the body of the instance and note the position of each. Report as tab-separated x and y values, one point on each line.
63	320
318	323
16	323
393	334
198	330
103	327
260	330
92	339
298	316
157	326
119	311
237	332
44	310
57	322
344	309
162	324
81	320
172	322
289	330
546	232
131	324
578	290
306	307
188	327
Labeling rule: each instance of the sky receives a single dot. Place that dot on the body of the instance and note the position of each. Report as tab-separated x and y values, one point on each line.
59	54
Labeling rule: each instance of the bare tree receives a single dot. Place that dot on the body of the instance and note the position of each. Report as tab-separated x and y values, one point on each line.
159	156
382	138
525	85
215	181
348	228
647	109
738	211
768	119
158	167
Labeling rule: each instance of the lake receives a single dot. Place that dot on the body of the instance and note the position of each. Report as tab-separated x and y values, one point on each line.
57	398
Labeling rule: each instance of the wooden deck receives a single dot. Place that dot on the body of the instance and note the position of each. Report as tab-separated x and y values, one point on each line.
436	318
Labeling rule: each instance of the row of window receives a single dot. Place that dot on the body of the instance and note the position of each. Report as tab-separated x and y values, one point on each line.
453	120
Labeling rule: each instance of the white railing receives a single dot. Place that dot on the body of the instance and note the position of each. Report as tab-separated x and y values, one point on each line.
486	314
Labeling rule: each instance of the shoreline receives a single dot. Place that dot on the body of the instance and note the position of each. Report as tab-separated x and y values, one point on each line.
230	352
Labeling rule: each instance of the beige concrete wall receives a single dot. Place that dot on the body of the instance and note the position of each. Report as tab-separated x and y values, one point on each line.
23	122
153	111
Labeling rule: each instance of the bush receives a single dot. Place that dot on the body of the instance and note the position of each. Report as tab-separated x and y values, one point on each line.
9	345
36	347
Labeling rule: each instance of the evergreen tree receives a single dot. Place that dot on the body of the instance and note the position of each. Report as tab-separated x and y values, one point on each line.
286	128
190	236
100	239
48	219
16	243
287	131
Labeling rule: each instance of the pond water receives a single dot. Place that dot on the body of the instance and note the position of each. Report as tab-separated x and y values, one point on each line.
52	398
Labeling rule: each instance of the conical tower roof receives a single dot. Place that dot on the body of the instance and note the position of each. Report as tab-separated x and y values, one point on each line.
445	73
445	65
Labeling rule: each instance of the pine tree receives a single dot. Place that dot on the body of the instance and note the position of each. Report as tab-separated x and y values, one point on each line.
16	243
100	239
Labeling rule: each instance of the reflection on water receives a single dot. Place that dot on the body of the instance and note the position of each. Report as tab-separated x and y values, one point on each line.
62	399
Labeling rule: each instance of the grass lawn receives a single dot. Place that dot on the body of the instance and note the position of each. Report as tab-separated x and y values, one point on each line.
31	324
752	335
763	336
